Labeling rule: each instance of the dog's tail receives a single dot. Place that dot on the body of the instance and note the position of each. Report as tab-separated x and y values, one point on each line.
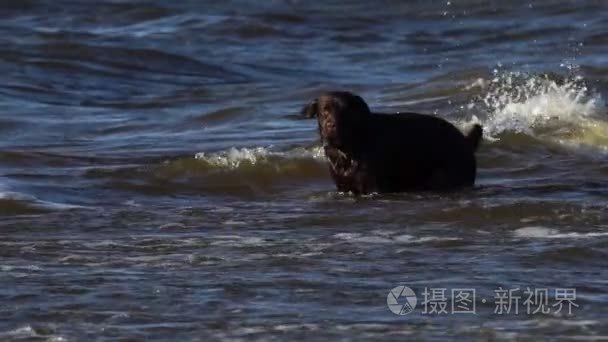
474	136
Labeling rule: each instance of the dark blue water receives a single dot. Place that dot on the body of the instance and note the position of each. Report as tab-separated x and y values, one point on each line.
157	182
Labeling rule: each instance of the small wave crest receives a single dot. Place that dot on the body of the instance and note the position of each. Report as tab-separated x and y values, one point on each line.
235	171
235	158
15	203
240	171
30	332
547	107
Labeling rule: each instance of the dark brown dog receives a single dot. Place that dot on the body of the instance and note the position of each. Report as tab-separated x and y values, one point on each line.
371	152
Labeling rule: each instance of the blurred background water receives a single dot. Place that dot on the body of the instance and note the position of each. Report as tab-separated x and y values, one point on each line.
156	181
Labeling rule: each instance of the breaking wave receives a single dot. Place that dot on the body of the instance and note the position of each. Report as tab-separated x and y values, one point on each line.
547	107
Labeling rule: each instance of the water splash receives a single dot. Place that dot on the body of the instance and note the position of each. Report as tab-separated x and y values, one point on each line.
549	107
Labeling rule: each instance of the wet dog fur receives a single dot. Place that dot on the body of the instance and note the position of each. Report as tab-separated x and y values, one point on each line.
372	152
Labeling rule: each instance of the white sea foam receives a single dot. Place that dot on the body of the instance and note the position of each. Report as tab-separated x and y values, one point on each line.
550	233
234	158
535	232
391	238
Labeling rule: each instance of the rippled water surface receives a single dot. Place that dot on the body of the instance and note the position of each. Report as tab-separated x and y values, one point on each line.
157	182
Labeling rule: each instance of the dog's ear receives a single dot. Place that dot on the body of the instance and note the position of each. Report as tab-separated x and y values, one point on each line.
311	110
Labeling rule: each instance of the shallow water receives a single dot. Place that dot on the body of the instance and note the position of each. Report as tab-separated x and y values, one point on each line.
156	181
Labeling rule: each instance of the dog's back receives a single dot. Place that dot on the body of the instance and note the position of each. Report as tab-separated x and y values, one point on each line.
412	151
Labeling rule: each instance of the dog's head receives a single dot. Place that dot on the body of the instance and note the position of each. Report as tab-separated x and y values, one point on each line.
342	117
